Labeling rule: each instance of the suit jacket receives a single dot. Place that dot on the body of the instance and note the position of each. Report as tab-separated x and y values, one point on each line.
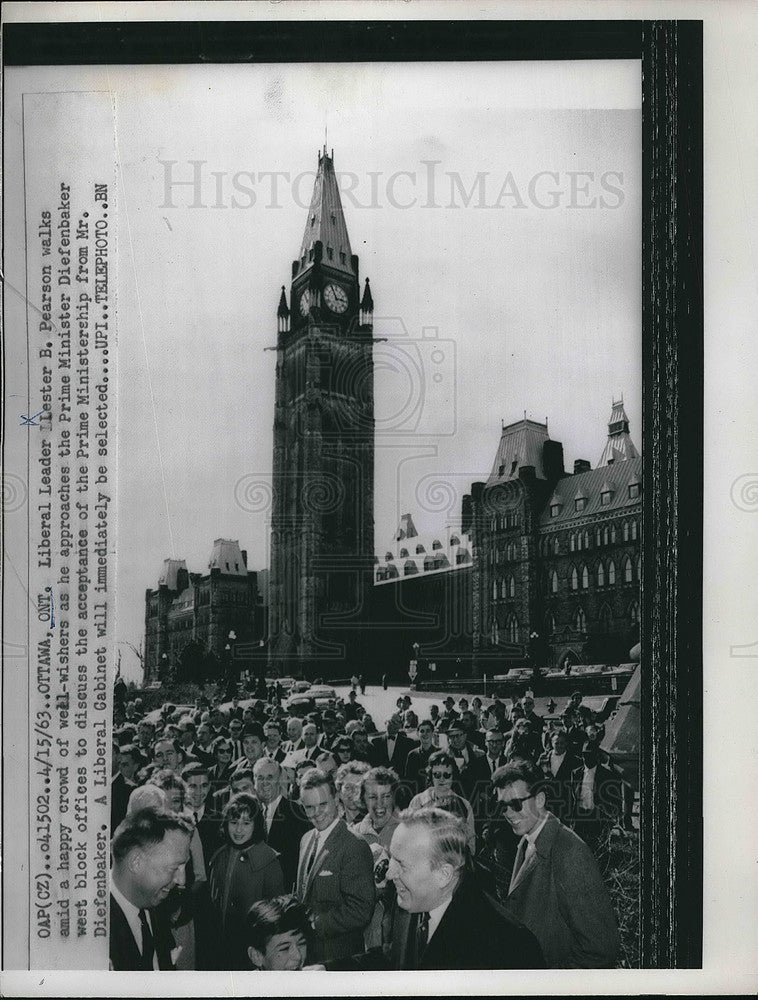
560	895
125	955
288	828
379	756
560	786
474	933
339	891
606	793
415	767
475	779
120	792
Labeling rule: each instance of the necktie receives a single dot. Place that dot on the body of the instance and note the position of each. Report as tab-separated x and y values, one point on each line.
422	936
308	866
148	948
518	863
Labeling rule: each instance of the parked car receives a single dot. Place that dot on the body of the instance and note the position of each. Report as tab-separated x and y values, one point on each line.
300	704
299	687
325	697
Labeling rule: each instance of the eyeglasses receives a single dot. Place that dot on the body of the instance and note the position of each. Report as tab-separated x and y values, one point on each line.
442	774
516	804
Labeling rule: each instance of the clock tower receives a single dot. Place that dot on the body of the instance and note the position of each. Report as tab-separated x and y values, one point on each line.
322	532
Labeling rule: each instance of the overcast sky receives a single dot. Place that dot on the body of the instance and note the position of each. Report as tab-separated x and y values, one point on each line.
504	283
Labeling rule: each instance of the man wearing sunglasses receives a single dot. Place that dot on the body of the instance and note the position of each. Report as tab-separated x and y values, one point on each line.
556	889
444	920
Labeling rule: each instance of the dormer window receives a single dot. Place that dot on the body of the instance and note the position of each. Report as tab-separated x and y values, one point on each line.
420	549
555	509
605	498
634	491
580	503
403	553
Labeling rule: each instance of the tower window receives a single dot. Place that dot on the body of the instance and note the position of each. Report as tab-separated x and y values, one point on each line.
501	470
343	258
329	253
333	218
310	254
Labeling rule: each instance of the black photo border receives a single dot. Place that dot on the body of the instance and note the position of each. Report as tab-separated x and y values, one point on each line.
672	353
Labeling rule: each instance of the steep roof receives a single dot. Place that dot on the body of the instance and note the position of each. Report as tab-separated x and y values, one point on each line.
170	572
615	479
227	557
326	220
619	447
520	444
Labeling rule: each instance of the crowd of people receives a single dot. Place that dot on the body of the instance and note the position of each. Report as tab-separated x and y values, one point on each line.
471	837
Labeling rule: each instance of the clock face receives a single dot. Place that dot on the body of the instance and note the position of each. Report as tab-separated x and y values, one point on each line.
336	298
305	302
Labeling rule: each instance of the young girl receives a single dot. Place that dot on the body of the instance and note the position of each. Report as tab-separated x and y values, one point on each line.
242	872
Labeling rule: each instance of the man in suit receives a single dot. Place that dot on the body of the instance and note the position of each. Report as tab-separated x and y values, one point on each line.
597	801
294	739
556	888
444	920
129	761
272	746
468	720
449	712
418	758
335	877
285	822
536	722
391	750
494	742
474	775
311	749
331	729
558	765
150	849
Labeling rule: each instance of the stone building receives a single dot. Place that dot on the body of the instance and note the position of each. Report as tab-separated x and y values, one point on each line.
191	618
322	530
556	574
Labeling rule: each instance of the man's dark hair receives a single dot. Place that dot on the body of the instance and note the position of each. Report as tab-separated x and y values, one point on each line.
252	729
221	741
520	770
315	778
194	769
243	770
144	828
132	750
269	917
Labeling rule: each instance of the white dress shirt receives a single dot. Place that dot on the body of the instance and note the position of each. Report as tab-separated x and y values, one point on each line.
131	912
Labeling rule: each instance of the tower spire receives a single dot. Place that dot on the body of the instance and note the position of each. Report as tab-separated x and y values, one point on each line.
326	223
